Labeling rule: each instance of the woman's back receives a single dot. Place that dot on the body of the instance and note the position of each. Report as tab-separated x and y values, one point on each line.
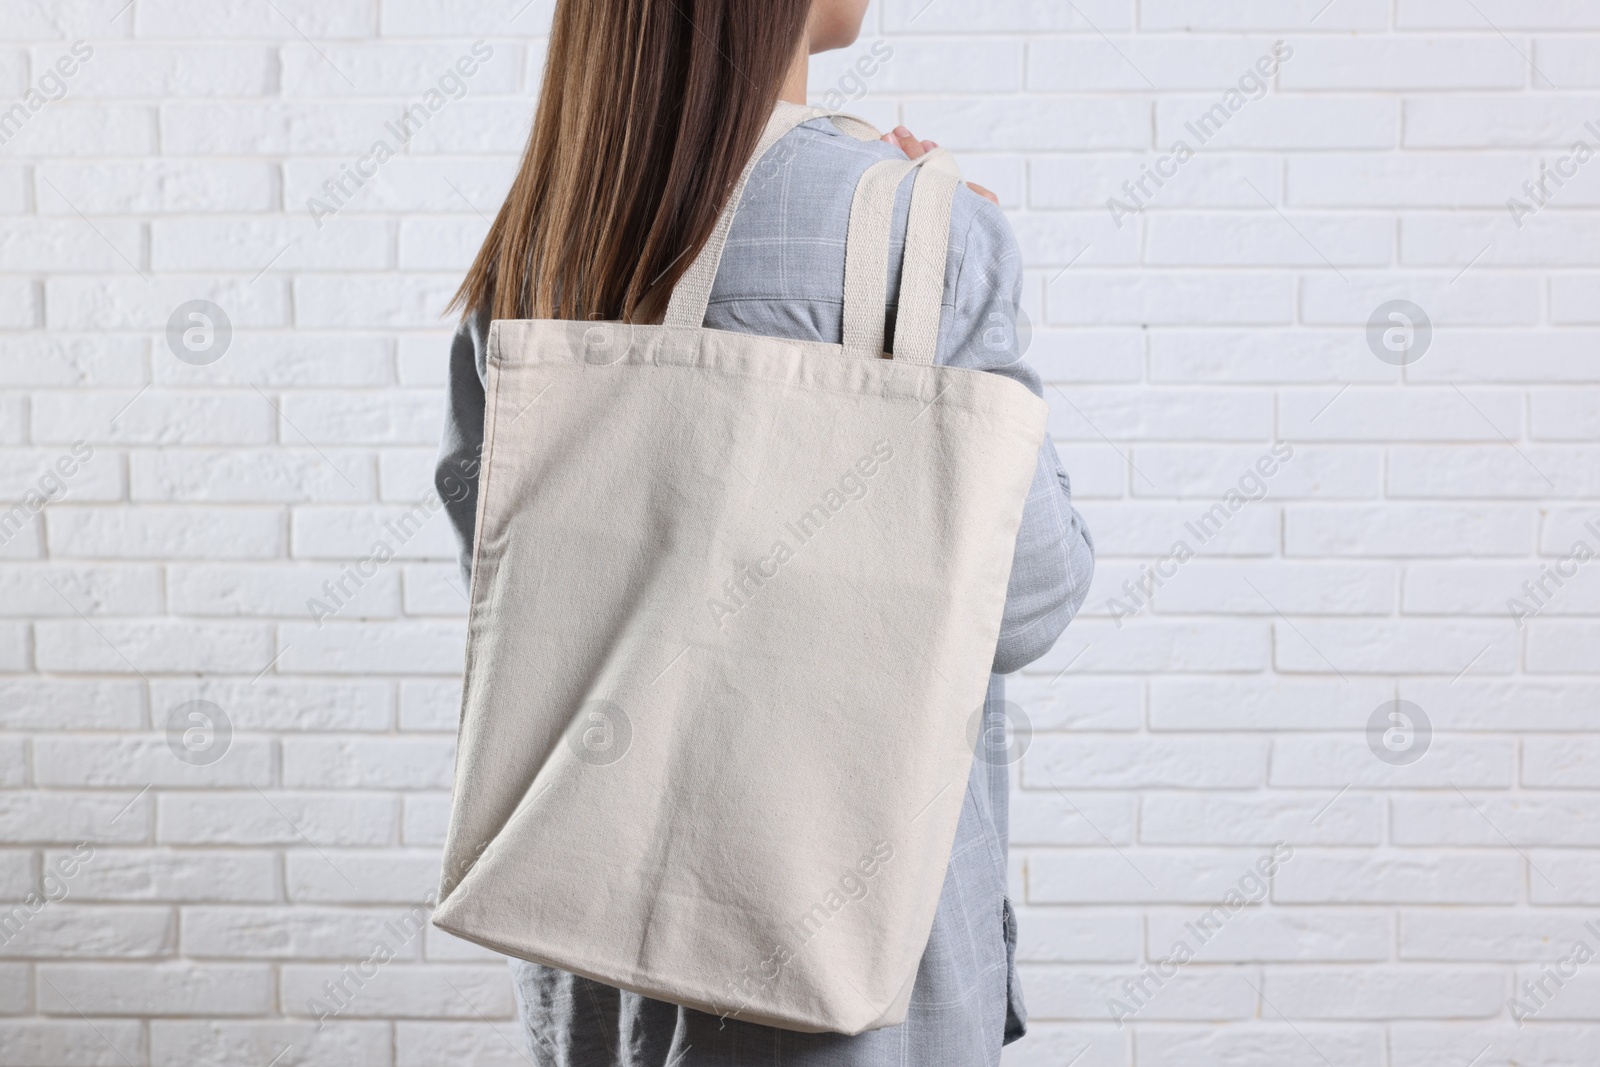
782	275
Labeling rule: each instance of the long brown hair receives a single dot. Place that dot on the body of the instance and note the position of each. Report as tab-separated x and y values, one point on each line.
648	113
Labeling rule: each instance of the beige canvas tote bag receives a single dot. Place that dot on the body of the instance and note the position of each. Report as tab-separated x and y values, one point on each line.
735	600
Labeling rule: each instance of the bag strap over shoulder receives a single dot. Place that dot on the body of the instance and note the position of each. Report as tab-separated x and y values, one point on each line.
922	271
692	296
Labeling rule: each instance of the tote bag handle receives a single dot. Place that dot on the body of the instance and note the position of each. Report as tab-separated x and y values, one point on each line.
692	295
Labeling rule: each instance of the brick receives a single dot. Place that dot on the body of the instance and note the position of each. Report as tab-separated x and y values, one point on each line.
1479	298
1275	704
141	761
986	125
166	532
435	244
258	243
1043	816
361	877
389	417
1145	414
276	818
401	991
37	817
1573	297
1565	415
189	875
422	1044
1399	877
1263	239
154	989
1403	993
73	360
426	818
1160	645
287	704
1487	821
1262	357
1547	239
302	932
70	246
159	187
1223	587
1403	63
1278	122
1142	876
84	129
1392	415
93	932
354	300
1486	589
435	589
430	705
1484	934
130	303
1566	877
168	72
1528	472
1301	16
1560	763
1506	14
18	879
1409	646
1507	121
72	1043
1056	701
1206	181
1519	705
156	418
127	646
70	704
1563	647
1279	935
404	70
1411	180
1189	820
294	591
65	590
1334	763
281	475
304	359
223	1043
1195	993
1269	1044
368	763
1407	530
1171	298
1566	62
1115	763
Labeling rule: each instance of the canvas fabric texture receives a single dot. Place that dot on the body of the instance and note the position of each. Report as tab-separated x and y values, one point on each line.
734	607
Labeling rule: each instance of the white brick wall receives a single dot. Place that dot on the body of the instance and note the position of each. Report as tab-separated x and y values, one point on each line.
206	904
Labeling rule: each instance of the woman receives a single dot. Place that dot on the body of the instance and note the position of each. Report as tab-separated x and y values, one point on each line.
669	110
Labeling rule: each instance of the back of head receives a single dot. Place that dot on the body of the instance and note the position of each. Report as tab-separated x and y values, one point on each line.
648	113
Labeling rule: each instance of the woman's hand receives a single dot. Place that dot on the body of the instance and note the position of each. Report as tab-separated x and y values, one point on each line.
915	149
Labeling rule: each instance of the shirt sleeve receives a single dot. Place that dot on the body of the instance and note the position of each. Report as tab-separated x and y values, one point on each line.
1054	558
455	475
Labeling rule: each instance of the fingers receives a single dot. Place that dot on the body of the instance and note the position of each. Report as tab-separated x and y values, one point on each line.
902	139
915	149
986	194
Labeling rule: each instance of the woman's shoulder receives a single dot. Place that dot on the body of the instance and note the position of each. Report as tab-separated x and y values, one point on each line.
812	173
